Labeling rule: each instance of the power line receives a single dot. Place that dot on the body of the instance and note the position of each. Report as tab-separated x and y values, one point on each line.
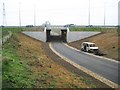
4	16
89	13
104	14
34	16
19	14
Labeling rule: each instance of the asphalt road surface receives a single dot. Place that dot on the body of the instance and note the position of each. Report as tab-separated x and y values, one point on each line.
102	67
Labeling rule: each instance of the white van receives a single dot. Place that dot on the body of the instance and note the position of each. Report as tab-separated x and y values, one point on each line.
89	47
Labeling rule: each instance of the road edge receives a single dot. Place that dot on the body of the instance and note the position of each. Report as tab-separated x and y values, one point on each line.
98	77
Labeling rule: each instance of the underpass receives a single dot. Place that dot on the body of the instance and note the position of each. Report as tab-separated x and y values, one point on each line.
56	34
100	66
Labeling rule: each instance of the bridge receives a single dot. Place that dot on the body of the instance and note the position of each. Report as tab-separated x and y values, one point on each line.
60	33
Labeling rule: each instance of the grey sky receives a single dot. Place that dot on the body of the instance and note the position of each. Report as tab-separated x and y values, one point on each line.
60	12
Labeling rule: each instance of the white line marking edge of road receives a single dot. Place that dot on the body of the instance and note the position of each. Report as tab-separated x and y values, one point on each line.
98	77
92	54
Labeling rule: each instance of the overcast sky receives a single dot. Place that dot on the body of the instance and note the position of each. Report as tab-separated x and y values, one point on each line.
59	12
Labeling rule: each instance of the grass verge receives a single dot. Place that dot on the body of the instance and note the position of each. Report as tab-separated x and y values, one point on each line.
15	72
93	29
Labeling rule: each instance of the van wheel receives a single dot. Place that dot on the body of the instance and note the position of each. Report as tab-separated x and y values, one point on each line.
89	51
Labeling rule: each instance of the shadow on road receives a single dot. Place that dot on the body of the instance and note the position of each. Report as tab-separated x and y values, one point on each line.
56	38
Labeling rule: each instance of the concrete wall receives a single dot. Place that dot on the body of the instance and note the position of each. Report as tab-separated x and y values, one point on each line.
37	35
75	35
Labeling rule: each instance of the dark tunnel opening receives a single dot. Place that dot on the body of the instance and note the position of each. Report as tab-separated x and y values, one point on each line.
56	38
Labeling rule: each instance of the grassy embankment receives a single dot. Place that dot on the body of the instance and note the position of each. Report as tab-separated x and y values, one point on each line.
11	61
25	65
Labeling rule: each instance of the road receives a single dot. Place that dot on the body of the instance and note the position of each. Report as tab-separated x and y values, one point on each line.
102	67
105	68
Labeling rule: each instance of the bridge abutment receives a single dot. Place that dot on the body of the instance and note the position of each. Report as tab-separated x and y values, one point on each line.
64	35
48	36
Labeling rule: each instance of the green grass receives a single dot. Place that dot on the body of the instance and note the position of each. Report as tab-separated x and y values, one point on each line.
84	29
16	73
5	31
92	29
0	33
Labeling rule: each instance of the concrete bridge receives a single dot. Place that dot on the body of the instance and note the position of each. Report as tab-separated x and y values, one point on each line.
59	34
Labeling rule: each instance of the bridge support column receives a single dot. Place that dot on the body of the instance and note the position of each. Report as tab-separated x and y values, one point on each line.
64	35
48	35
